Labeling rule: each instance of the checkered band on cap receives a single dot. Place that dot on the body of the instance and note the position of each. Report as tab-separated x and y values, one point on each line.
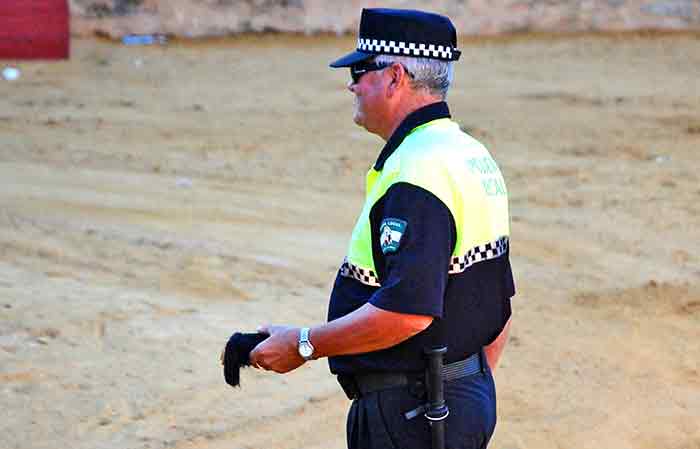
490	250
364	275
381	46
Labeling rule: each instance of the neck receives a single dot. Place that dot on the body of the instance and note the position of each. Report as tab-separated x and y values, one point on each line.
404	106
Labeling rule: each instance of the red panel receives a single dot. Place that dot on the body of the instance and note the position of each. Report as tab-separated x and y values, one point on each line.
34	29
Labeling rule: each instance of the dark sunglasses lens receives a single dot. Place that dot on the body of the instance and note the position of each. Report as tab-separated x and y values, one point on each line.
360	69
357	71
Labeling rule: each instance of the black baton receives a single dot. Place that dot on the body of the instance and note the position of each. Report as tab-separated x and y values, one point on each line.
437	409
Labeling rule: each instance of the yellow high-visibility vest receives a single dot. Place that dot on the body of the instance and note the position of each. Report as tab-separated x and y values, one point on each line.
438	157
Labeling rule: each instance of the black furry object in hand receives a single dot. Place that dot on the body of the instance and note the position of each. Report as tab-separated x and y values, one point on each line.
237	355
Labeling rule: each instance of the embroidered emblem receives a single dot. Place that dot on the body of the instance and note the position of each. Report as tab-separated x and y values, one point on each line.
390	233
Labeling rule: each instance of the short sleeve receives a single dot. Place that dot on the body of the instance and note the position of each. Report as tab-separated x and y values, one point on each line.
413	234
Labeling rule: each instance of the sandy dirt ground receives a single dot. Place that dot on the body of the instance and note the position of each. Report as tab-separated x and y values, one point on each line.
156	199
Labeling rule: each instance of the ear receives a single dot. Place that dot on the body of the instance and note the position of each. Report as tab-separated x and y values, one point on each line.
397	81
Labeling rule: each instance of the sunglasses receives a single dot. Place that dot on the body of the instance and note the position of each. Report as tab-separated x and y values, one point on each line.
359	69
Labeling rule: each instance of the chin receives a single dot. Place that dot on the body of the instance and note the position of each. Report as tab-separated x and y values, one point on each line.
357	118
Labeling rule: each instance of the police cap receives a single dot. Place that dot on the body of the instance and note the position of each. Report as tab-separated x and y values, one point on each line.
403	32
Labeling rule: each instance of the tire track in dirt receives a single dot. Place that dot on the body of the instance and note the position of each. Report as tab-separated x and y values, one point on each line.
318	423
679	300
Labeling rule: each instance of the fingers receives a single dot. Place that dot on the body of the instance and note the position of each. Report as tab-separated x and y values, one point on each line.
256	360
266	355
260	365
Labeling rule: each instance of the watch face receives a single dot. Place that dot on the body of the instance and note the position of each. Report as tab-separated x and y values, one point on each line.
305	350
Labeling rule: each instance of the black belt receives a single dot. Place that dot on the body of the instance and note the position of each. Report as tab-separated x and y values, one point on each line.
358	385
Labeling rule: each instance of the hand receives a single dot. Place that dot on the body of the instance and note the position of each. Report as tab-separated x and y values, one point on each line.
279	351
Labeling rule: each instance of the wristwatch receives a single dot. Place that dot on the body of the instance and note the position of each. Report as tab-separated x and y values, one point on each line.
306	349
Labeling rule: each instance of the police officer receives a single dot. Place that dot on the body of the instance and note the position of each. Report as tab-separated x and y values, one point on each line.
427	264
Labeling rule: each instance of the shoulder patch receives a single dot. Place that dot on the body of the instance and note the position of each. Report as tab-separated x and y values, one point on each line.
390	232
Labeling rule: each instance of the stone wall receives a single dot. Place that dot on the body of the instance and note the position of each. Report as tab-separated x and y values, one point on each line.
199	18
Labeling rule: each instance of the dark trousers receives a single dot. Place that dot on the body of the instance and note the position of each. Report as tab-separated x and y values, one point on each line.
376	421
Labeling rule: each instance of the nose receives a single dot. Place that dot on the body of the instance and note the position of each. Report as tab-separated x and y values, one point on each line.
351	86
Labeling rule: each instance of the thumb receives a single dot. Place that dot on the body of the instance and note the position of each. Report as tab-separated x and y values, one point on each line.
263	329
253	358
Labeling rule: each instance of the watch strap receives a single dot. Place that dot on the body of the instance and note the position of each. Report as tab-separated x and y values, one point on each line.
304	335
306	349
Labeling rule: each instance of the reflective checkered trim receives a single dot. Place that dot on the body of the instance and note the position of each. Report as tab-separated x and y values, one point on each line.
366	276
404	48
477	254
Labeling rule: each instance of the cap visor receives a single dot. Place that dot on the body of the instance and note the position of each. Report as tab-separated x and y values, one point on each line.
350	59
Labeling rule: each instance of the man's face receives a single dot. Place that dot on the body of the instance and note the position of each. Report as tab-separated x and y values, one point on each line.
369	101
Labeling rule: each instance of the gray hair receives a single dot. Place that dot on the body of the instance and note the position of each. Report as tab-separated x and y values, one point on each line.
428	74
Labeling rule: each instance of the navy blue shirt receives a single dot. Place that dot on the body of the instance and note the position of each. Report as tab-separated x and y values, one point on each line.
470	308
